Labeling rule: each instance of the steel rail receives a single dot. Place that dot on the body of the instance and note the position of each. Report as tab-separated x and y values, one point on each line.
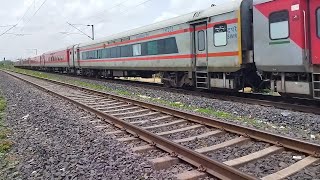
263	100
203	162
275	139
254	99
273	101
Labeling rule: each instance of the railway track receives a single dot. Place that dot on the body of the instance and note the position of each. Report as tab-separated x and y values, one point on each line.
286	103
200	141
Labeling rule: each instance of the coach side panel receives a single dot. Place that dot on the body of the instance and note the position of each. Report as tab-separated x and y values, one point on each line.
279	34
224	46
35	61
57	59
145	51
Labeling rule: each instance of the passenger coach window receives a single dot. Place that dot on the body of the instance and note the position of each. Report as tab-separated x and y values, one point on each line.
167	46
126	51
220	35
84	56
279	25
113	52
152	48
105	53
136	49
144	49
161	46
93	55
100	54
118	52
170	46
318	22
201	41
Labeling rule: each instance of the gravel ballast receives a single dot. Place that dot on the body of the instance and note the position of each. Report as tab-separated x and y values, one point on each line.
303	126
269	165
52	140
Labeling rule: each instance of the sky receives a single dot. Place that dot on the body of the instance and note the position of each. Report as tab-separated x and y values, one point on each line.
42	25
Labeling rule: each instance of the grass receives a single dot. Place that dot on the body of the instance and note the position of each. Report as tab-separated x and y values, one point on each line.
5	144
211	112
74	82
7	162
6	65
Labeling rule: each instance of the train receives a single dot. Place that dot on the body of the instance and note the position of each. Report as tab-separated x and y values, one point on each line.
262	44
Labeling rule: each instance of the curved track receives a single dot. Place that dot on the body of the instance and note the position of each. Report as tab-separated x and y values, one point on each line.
173	131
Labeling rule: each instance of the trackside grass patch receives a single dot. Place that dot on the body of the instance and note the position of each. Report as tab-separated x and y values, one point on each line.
74	82
5	144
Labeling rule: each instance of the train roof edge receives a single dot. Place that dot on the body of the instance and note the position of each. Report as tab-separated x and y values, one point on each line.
215	10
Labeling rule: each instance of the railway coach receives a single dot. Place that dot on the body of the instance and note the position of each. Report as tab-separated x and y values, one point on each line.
56	61
22	63
258	43
287	44
205	49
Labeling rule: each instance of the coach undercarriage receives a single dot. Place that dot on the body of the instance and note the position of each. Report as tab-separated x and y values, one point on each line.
245	77
298	84
289	84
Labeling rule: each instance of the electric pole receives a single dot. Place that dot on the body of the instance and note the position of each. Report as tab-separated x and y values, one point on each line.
92	28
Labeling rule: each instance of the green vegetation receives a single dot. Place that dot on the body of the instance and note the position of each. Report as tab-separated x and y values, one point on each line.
2	105
34	73
74	82
211	112
7	161
97	87
6	64
5	144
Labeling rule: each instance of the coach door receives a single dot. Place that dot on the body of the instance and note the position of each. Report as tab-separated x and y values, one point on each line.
315	30
44	61
41	61
201	56
70	57
314	7
77	55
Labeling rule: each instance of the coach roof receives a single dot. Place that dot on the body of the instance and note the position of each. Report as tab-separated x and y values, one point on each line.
212	11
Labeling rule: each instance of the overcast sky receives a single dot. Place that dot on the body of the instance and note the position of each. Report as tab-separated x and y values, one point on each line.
42	24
